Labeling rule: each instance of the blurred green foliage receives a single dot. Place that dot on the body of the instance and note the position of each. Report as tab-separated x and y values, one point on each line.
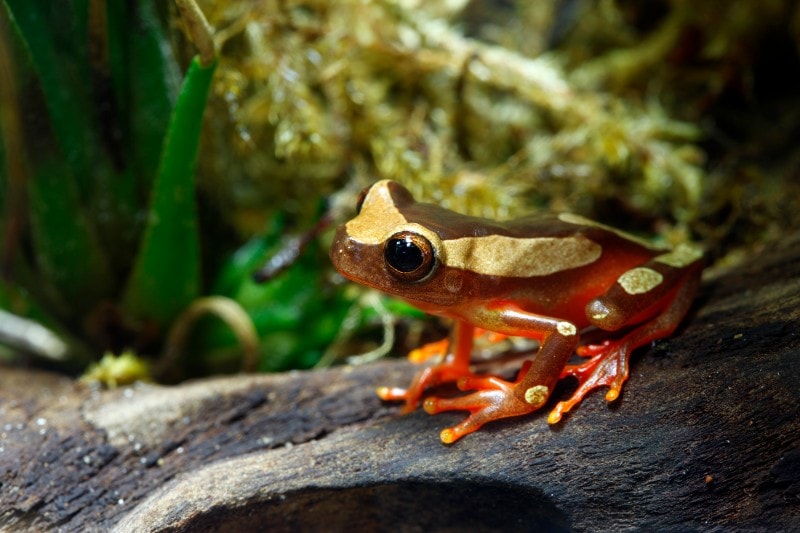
101	224
296	315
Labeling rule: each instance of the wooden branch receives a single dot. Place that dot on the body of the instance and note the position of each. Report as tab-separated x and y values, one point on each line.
706	435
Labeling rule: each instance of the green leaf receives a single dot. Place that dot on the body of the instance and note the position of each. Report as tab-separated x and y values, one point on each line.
66	102
166	275
64	246
240	266
88	205
135	82
147	79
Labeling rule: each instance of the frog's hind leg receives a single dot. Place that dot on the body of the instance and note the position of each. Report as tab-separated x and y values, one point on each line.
437	349
656	297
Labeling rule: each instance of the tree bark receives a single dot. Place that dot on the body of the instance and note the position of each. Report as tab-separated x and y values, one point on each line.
706	435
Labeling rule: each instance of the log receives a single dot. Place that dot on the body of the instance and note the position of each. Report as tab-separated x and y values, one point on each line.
705	436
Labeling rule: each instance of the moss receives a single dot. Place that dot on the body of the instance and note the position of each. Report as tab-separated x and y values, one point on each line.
317	93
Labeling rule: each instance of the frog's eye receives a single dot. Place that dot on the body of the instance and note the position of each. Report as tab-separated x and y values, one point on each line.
409	256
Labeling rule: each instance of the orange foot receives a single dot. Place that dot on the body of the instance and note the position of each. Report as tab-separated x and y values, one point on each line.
608	366
427	378
495	399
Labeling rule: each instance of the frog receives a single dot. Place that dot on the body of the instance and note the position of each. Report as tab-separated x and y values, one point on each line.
547	277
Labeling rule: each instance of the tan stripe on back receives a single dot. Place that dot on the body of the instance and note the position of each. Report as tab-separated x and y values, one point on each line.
498	255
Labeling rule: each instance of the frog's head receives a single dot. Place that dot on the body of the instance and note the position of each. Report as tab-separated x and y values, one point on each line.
390	246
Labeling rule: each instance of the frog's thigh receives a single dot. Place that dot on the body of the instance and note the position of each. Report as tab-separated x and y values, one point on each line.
637	295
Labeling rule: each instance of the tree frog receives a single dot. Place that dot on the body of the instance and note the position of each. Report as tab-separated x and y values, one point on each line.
547	278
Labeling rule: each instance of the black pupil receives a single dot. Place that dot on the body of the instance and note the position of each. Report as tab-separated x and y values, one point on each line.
404	255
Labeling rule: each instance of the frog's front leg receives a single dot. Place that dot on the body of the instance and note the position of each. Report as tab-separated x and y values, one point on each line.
454	367
496	398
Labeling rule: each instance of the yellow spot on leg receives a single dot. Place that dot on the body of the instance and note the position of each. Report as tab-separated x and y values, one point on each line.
537	395
566	328
640	280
